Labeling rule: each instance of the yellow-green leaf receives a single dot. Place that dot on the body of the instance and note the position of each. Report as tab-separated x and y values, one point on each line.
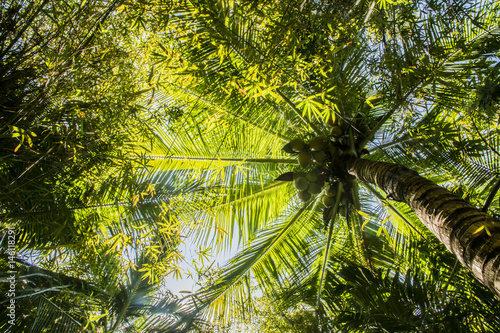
363	214
478	230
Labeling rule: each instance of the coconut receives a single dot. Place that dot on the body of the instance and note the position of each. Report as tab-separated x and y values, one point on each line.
314	188
301	184
320	182
297	145
317	143
312	176
304	158
337	131
318	156
331	189
304	196
328	201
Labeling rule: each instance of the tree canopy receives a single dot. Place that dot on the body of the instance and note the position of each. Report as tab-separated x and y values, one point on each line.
127	126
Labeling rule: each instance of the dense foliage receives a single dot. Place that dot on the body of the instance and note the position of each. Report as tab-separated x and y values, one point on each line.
90	251
126	126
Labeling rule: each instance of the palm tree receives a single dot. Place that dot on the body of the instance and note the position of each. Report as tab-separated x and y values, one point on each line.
241	81
234	83
455	222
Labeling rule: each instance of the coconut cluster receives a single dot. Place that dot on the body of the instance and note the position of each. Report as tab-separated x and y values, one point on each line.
315	158
320	170
313	183
308	184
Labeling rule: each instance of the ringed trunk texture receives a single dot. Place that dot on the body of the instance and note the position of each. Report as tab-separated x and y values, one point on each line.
454	221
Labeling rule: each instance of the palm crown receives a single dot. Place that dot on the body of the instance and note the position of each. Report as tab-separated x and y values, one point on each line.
249	85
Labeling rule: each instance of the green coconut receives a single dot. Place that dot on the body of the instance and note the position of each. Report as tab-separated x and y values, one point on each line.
304	196
331	189
314	188
312	176
317	143
318	156
328	201
301	184
297	145
337	131
304	158
320	182
364	129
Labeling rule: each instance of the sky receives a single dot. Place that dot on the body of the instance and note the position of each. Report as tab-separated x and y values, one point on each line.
189	249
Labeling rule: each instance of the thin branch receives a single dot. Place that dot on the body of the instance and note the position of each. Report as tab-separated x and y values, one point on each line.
482	137
490	198
379	124
26	26
297	111
243	160
228	112
357	225
392	208
328	245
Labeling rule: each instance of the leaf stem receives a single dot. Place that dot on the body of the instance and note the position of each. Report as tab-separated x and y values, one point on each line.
297	111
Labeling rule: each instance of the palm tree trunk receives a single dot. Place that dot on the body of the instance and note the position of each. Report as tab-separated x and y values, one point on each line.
470	234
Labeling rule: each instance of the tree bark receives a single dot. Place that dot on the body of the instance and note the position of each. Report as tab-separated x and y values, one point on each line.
470	234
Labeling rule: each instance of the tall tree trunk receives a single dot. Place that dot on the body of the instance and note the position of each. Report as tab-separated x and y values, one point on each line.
470	234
